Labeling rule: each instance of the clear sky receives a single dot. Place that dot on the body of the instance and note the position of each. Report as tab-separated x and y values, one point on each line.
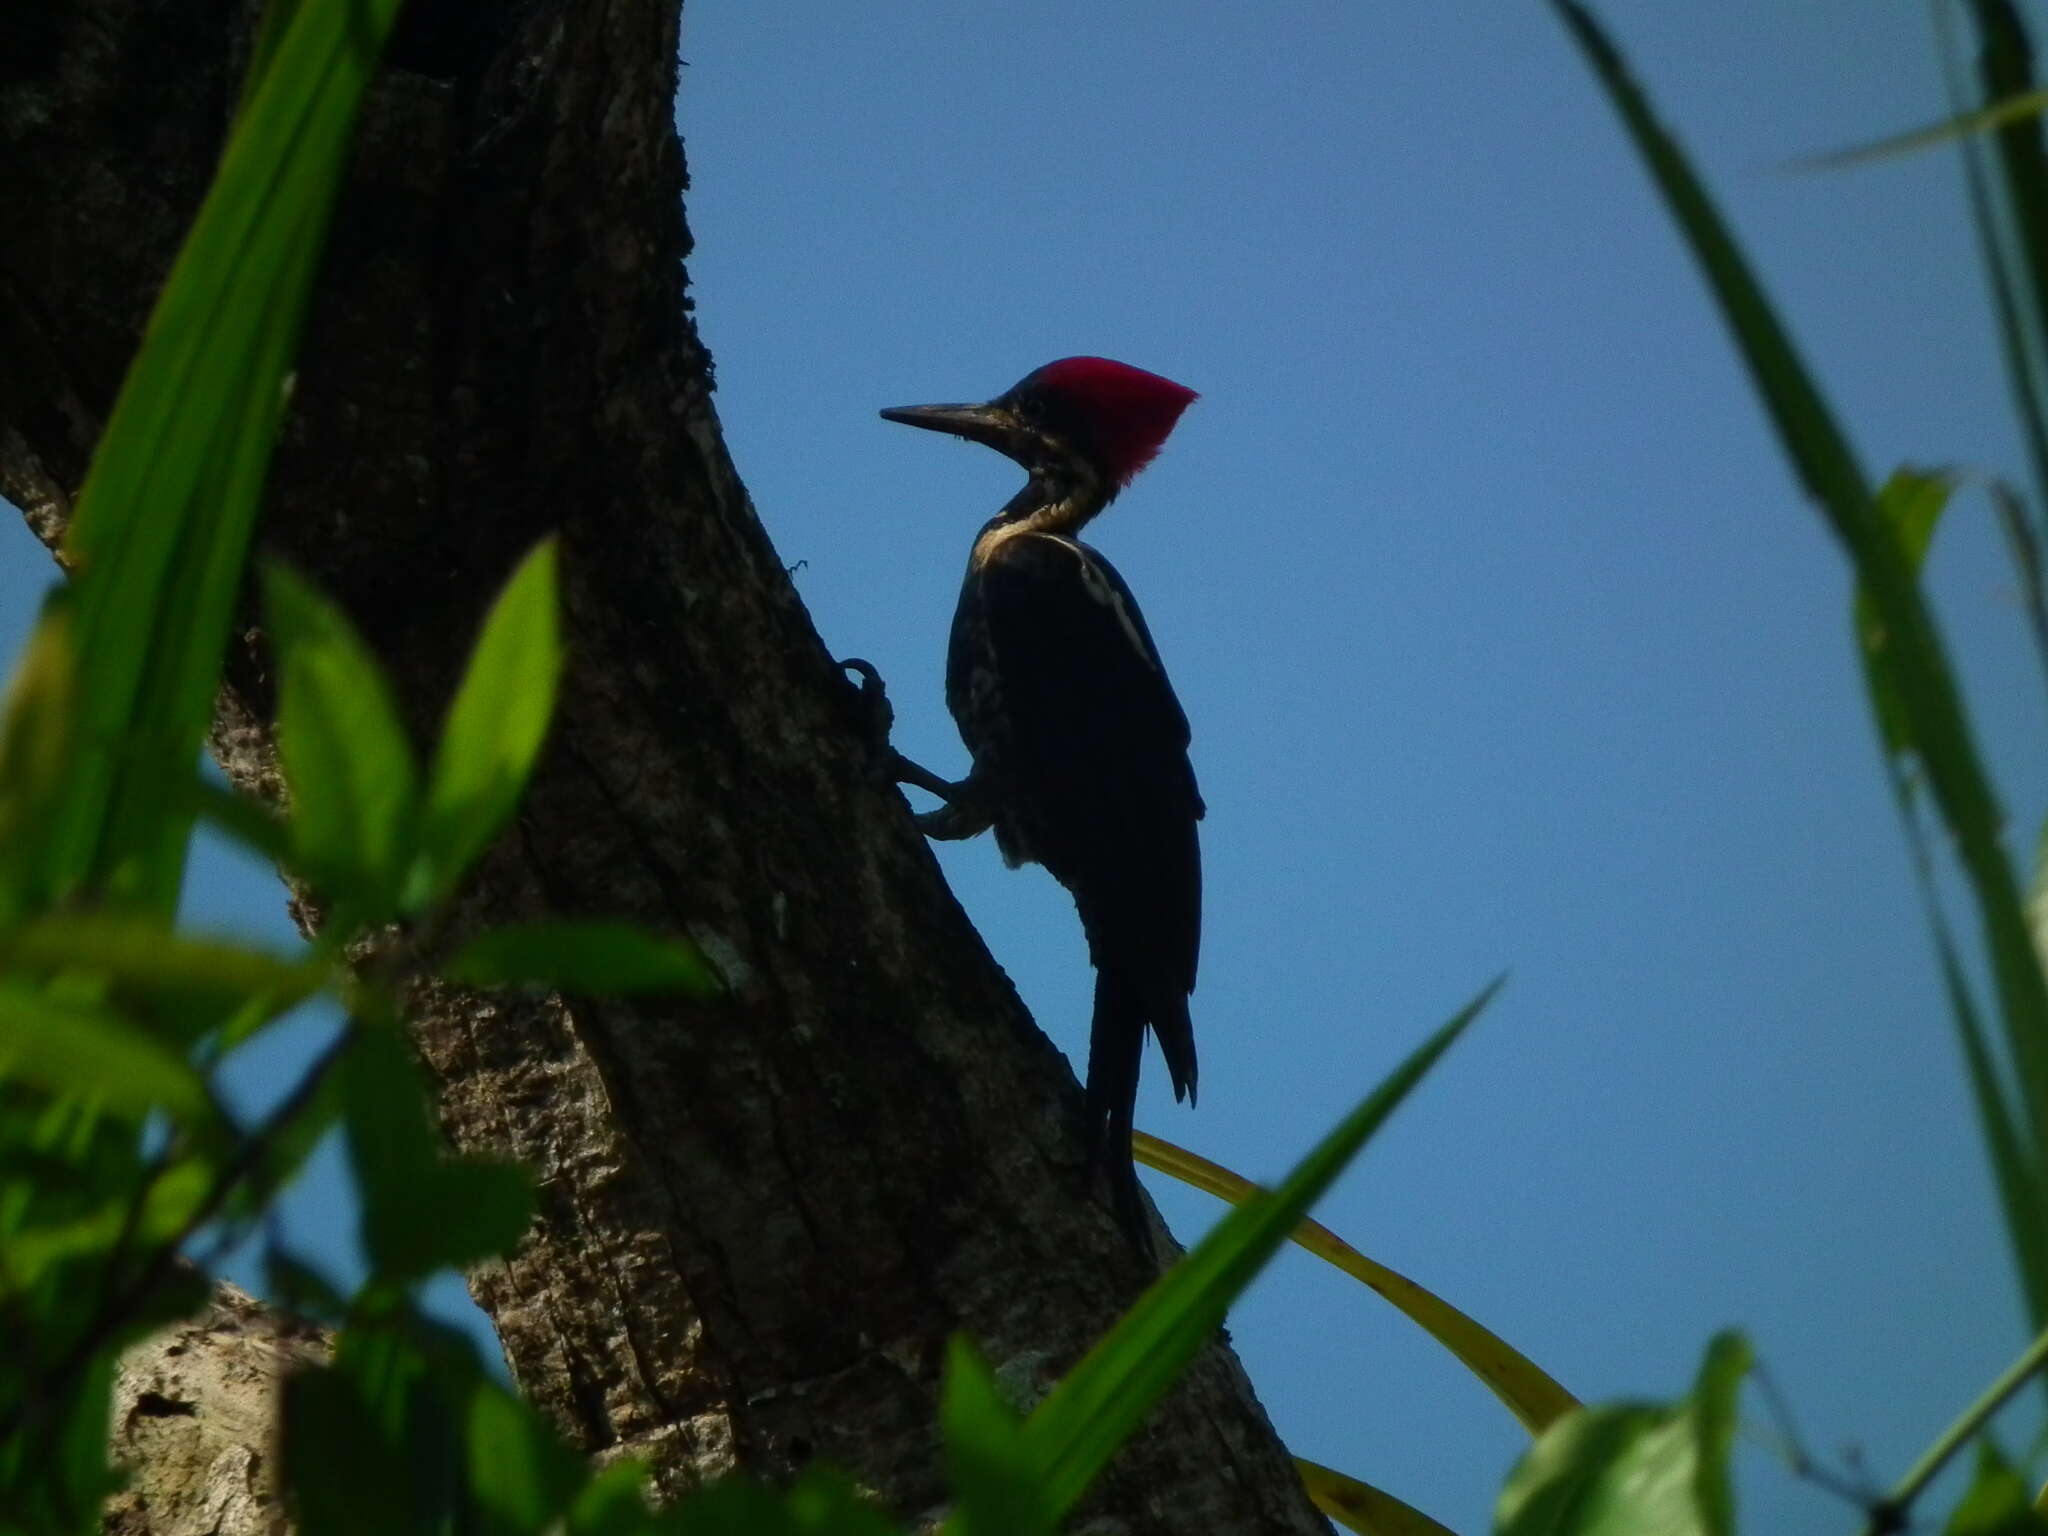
1506	640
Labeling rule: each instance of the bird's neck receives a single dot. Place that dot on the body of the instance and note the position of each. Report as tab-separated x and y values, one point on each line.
1061	497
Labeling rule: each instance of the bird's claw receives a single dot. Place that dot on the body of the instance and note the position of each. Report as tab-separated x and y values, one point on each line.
874	715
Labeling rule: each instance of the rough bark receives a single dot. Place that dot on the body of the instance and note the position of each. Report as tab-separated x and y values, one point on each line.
760	1220
195	1419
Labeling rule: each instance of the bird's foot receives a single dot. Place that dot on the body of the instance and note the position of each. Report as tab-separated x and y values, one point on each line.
964	813
962	816
874	716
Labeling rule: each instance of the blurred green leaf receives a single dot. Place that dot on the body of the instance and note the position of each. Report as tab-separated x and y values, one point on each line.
294	1285
133	950
1912	502
821	1504
2012	109
1997	1502
1358	1506
421	1210
521	1475
614	1503
346	1478
824	1503
162	527
1077	1429
35	760
346	759
988	1462
497	723
604	959
2005	65
95	1054
244	819
293	1137
1634	1469
169	1205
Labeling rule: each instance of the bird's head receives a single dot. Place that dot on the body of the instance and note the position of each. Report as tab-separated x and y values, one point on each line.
1088	411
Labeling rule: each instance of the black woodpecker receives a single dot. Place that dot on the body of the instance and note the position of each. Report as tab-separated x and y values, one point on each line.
1080	747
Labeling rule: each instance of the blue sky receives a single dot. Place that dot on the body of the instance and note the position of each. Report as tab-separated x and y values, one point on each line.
1506	640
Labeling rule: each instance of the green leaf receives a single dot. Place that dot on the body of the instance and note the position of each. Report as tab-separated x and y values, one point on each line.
135	951
520	1473
1997	1502
242	818
1930	711
2012	109
35	761
1912	502
497	723
614	1503
344	1475
168	1207
735	1506
1567	1481
162	528
69	1048
1633	1469
346	759
421	1211
995	1485
1077	1429
824	1503
603	959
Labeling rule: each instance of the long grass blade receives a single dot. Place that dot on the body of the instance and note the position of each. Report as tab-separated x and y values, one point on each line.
163	526
1940	736
1528	1392
2010	109
1359	1506
1074	1432
2019	330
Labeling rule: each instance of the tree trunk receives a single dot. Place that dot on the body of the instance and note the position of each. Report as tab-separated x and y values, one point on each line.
759	1220
195	1414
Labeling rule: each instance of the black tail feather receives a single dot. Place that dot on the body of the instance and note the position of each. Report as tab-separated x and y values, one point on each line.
1176	1034
1116	1047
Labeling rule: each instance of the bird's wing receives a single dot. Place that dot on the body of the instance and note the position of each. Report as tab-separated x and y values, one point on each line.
1096	759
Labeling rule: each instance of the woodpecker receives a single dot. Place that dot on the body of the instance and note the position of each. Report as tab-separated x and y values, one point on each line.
1079	746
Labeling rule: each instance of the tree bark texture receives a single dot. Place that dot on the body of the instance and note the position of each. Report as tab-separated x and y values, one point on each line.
760	1220
195	1419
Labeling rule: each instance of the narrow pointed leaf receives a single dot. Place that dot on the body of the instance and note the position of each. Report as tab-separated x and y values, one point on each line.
136	951
346	758
498	721
1079	1426
2012	109
989	1464
603	959
162	527
36	740
422	1211
1912	501
1359	1506
1929	700
1528	1392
